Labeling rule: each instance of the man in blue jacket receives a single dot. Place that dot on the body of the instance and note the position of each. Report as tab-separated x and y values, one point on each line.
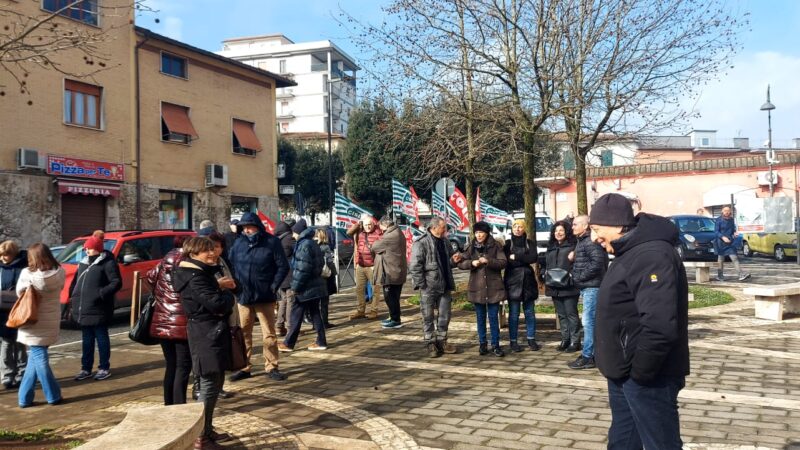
725	229
259	266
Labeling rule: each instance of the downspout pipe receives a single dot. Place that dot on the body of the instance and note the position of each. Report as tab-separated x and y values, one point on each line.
138	135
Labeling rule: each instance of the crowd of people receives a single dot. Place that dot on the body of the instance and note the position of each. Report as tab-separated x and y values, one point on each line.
634	323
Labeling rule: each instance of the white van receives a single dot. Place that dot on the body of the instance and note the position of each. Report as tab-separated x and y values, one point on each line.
543	225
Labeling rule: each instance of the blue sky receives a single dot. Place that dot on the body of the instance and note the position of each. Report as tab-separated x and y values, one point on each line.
771	53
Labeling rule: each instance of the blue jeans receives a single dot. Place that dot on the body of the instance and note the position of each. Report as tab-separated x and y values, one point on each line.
589	307
644	415
90	334
38	369
493	309
513	319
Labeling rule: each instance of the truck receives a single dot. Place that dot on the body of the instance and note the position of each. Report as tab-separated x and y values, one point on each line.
543	225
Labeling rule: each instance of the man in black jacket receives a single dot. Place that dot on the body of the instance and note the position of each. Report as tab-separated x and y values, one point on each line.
589	268
431	273
641	339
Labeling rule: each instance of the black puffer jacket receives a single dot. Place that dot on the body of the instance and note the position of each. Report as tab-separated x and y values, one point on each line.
558	256
641	326
591	262
307	281
284	234
91	293
519	277
9	274
208	308
426	272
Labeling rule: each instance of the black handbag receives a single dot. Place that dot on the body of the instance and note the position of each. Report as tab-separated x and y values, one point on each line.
557	278
238	360
141	329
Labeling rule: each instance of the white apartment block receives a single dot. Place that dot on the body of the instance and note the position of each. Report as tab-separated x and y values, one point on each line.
317	68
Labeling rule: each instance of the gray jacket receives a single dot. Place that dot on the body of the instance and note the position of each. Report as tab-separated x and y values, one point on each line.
391	266
426	273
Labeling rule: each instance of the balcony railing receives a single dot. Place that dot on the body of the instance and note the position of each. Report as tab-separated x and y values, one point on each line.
319	67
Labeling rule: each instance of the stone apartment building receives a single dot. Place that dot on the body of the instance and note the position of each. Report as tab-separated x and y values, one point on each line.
166	136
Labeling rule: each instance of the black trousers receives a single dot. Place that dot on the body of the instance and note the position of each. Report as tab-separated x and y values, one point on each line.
176	375
323	309
391	295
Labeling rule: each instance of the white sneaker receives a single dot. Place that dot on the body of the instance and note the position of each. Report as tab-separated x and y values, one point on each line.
82	375
102	374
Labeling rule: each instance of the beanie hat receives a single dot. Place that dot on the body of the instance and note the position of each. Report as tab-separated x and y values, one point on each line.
94	243
612	210
300	226
482	226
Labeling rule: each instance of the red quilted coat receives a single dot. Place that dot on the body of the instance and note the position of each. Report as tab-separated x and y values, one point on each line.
169	319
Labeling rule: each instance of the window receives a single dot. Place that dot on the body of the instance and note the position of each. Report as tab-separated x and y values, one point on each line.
282	66
606	158
704	142
83	11
82	104
284	127
284	108
569	160
325	83
176	125
173	65
139	250
245	141
174	209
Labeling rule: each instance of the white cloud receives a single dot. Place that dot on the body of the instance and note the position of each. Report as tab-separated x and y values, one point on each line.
731	105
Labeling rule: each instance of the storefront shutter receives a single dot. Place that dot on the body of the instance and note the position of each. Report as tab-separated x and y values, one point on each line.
81	215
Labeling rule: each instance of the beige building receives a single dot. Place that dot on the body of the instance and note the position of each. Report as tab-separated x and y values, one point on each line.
164	136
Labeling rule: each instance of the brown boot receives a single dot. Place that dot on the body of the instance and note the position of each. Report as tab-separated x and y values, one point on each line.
449	348
206	443
357	315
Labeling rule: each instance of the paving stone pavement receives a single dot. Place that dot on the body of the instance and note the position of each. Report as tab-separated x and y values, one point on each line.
376	389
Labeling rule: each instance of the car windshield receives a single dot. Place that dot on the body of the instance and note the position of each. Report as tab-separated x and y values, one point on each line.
695	224
73	253
543	223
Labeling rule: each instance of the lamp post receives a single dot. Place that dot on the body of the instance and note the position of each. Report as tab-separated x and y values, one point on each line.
330	145
768	107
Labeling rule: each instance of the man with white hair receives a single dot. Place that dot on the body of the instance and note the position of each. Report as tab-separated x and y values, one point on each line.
365	234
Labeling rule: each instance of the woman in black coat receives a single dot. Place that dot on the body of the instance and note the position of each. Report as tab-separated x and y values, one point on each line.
521	285
13	355
91	296
565	298
207	300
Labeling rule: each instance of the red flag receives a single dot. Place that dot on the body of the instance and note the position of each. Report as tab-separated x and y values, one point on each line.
415	198
478	205
459	203
268	223
409	242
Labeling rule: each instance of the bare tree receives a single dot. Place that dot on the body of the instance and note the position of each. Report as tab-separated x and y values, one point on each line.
37	40
628	63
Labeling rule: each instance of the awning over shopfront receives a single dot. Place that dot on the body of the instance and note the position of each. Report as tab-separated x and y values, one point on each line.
721	195
88	188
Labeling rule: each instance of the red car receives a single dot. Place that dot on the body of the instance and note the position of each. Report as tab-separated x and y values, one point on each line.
134	250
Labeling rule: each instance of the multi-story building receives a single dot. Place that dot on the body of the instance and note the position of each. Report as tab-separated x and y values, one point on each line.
166	135
325	77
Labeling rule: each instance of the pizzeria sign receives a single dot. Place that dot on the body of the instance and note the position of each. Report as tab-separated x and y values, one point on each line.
84	168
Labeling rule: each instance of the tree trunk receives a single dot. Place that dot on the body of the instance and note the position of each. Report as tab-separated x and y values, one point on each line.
529	188
580	179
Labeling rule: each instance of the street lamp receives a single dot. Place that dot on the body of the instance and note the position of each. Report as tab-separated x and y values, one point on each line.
768	107
331	192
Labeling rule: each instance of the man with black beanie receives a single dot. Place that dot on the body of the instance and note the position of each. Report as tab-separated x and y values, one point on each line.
641	332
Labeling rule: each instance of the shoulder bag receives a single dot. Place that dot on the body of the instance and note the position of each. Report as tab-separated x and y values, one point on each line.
140	332
25	310
557	278
238	359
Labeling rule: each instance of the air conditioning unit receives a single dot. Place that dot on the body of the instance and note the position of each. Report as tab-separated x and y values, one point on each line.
216	175
28	158
764	178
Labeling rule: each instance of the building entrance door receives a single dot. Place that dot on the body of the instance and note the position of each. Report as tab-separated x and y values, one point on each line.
81	215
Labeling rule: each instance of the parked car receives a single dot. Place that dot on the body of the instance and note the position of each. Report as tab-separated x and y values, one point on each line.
779	245
696	234
134	250
344	245
56	249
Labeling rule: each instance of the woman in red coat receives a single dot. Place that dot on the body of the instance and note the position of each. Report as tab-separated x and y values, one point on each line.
169	325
